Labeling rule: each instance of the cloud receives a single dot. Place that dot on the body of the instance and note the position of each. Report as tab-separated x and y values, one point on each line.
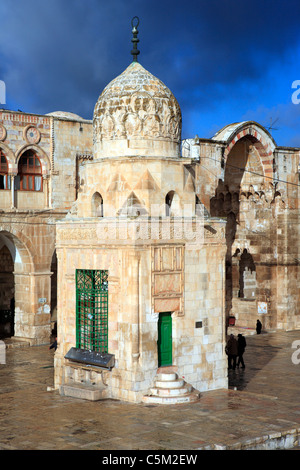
220	58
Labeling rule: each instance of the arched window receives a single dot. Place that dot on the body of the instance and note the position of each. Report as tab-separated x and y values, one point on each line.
4	176
247	276
172	202
97	205
29	172
168	200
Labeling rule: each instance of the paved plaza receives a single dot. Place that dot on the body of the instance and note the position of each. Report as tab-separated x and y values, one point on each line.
261	408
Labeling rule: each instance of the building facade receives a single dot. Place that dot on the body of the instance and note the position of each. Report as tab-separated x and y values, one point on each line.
38	181
254	184
143	250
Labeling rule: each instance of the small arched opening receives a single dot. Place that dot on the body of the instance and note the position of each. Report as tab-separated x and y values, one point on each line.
172	204
247	276
97	205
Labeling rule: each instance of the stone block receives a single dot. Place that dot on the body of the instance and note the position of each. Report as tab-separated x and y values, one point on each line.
84	392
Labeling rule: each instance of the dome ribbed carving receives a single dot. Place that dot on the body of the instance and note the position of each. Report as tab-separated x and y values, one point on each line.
137	107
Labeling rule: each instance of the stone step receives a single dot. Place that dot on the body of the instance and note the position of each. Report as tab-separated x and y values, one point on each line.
177	383
158	400
165	392
169	389
166	376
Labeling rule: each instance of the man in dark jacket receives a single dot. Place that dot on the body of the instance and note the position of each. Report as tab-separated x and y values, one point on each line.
232	351
241	349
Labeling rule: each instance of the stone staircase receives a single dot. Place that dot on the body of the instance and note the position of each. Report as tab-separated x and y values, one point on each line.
169	389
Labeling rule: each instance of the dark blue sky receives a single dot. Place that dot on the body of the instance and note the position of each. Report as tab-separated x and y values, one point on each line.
225	61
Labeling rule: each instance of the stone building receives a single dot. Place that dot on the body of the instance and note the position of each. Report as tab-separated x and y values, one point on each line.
38	185
144	250
135	234
247	179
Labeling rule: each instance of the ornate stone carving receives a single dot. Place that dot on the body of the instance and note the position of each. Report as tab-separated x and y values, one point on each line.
137	105
32	135
77	234
167	278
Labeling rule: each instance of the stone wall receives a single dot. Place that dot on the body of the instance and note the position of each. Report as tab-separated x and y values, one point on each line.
243	177
144	280
28	218
71	140
137	182
31	241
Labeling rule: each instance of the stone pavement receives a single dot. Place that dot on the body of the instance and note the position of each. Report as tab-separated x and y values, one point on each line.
262	413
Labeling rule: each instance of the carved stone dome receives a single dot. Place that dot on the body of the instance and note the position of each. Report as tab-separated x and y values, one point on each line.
136	114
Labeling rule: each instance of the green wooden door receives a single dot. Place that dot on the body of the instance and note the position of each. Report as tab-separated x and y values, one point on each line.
164	339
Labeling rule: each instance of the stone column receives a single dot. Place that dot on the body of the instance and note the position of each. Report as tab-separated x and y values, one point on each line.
12	191
136	308
46	189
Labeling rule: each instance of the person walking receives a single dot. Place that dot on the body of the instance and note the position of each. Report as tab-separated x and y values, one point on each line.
54	345
258	327
241	349
232	351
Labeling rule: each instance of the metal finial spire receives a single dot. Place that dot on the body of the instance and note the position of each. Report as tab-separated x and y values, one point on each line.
134	23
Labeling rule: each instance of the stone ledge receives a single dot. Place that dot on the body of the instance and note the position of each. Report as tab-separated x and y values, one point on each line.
18	342
83	392
275	441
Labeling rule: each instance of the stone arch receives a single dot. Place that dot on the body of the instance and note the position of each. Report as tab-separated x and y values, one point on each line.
45	161
261	139
18	278
248	161
20	252
9	156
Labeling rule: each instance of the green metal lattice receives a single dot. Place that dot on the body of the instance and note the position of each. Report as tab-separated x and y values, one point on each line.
92	310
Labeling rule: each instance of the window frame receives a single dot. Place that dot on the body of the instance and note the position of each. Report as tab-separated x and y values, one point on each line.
30	173
4	172
92	310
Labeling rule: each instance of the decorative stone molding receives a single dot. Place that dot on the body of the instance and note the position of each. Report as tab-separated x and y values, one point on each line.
167	279
31	134
2	133
145	230
136	106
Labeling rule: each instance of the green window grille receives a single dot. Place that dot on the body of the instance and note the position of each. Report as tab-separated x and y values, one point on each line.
92	310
